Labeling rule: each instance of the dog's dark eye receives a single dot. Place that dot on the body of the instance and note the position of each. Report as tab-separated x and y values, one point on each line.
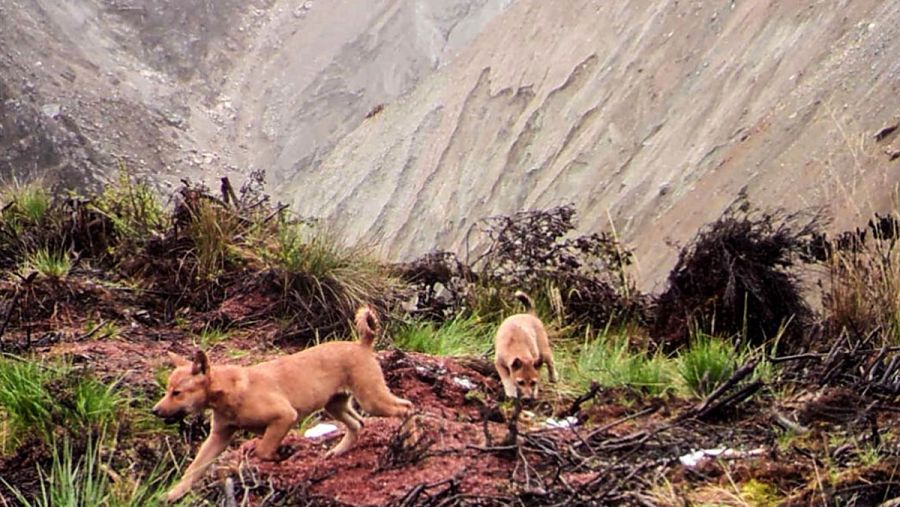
176	393
521	382
534	382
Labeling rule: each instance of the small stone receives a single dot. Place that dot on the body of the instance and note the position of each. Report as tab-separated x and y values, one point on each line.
51	110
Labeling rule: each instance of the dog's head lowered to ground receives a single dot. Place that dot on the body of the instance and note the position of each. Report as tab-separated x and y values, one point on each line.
187	391
521	349
526	374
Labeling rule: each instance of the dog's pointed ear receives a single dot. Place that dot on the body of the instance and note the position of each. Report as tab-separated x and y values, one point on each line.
178	360
516	364
201	363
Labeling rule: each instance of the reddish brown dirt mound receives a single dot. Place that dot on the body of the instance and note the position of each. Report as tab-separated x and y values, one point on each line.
450	448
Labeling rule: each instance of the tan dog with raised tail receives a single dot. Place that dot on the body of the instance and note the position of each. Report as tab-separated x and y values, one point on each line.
521	348
270	398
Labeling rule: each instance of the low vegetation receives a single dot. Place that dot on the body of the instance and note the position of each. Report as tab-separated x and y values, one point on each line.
459	336
232	272
37	400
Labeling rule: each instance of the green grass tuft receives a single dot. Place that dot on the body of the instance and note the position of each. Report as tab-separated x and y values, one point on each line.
25	403
48	263
210	336
133	207
708	362
35	398
457	337
612	361
32	202
86	480
214	232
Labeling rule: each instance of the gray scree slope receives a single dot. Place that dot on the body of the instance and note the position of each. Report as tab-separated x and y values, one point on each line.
652	116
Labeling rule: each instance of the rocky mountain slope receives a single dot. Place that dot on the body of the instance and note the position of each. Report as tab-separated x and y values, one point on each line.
649	116
405	122
200	89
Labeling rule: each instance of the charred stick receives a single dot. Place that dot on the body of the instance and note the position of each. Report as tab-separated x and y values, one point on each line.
867	373
513	435
740	395
275	213
8	314
589	395
228	195
622	420
795	357
890	370
739	375
414	493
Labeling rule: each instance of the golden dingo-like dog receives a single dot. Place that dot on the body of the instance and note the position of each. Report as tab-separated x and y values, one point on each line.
270	398
521	348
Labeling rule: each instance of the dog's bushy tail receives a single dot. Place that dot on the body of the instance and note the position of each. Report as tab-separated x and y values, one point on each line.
366	325
526	301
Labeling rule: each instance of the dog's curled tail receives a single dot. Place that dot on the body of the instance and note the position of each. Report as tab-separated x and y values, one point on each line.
525	300
366	325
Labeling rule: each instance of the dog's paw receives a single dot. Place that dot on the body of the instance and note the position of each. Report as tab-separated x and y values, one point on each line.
249	448
175	494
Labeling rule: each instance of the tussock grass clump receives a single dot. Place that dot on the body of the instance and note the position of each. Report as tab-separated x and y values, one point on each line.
459	336
48	263
736	276
706	363
25	403
214	232
323	282
36	398
29	203
28	221
133	208
863	295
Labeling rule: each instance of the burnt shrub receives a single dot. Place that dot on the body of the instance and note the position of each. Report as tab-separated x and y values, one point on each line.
862	297
735	279
439	281
532	250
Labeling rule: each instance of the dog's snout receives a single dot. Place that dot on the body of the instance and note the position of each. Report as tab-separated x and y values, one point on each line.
156	411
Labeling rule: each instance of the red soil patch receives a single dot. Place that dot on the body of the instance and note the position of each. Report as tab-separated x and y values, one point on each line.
449	420
358	477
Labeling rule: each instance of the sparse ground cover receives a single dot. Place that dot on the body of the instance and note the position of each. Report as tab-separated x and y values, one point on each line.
791	406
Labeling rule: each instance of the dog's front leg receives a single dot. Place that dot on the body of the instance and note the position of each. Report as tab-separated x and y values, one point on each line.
509	385
267	448
213	446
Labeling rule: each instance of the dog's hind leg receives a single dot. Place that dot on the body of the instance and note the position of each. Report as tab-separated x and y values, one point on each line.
339	407
352	411
543	343
267	448
376	399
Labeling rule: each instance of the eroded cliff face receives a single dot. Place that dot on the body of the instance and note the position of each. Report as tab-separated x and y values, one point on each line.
201	89
312	73
649	116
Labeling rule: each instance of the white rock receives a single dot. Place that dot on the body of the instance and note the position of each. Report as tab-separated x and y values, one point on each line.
463	382
567	422
320	430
